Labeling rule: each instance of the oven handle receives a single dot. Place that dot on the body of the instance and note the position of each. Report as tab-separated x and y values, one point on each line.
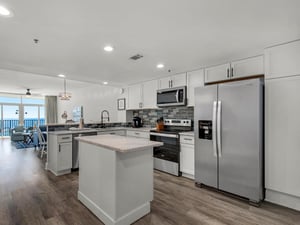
177	96
164	135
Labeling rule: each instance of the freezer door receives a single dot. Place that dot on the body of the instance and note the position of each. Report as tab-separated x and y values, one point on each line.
206	161
241	131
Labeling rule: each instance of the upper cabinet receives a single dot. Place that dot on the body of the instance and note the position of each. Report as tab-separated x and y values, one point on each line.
237	69
143	95
282	60
135	97
194	79
172	81
149	94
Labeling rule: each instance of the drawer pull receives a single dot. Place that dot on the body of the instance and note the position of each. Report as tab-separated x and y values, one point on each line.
187	139
65	138
137	133
112	133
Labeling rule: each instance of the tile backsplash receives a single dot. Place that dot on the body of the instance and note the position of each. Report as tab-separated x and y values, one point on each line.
149	116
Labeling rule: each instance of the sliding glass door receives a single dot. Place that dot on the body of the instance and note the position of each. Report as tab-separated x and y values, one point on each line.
9	118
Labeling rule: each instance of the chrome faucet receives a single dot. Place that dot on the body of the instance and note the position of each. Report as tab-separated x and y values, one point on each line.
104	117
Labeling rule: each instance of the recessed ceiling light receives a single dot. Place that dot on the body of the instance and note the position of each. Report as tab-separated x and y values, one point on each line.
108	48
160	66
4	11
61	75
105	82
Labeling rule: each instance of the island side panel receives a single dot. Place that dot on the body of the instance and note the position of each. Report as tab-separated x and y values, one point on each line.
134	190
97	177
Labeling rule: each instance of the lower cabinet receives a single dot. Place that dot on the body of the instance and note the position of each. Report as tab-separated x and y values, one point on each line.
140	134
113	132
187	156
59	153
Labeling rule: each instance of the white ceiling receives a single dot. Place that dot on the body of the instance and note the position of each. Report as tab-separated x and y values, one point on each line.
184	35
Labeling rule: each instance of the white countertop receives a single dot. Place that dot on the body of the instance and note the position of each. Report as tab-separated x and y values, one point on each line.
119	143
63	132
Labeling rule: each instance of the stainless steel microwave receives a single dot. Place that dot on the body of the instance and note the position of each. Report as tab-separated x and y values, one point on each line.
171	96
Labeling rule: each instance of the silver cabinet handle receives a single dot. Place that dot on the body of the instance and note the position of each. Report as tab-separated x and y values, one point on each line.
219	121
214	129
137	133
231	71
228	73
59	148
65	138
171	83
112	133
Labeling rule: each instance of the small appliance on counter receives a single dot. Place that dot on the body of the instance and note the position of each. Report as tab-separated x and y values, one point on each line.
137	122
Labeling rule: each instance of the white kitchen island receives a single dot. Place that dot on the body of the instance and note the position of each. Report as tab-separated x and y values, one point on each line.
116	177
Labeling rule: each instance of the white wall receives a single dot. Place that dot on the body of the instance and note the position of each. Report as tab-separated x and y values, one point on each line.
94	99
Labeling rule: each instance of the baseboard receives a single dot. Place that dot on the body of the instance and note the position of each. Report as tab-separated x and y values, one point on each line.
283	199
60	173
127	219
187	175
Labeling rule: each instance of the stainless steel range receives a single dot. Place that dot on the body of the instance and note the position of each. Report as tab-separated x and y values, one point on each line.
167	157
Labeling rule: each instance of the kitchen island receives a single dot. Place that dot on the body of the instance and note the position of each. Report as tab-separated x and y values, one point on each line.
116	177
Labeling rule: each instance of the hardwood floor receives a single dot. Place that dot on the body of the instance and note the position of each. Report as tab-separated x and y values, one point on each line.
30	195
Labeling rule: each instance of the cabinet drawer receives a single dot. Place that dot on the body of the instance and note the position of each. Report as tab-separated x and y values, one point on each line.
184	139
113	132
139	134
64	138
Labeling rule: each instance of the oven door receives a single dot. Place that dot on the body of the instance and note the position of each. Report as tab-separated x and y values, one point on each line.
166	157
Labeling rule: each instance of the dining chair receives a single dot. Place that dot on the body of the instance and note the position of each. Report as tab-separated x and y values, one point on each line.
42	142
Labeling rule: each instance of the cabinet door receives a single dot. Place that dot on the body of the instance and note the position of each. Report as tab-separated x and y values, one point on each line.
194	79
247	67
138	134
178	80
283	60
217	73
64	156
134	96
282	135
149	94
187	159
164	82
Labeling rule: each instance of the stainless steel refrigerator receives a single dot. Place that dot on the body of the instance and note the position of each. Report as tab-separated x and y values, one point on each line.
229	137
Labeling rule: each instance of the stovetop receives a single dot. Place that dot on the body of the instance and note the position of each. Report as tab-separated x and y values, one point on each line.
175	126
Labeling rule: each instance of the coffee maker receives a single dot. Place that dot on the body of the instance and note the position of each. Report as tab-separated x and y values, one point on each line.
137	122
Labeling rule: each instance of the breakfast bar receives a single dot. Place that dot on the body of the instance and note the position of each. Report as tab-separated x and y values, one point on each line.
116	177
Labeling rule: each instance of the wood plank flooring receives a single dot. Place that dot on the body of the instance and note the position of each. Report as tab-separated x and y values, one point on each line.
30	195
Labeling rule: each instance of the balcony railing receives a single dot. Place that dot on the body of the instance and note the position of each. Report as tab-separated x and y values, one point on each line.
11	123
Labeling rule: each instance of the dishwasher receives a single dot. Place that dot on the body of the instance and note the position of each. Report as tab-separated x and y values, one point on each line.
75	148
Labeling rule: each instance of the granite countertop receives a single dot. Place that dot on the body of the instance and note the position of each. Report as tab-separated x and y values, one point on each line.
188	133
119	143
78	131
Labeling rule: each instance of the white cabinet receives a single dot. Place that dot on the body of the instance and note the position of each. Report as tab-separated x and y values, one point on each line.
142	95
112	132
282	138
217	73
135	96
149	94
247	67
282	60
139	134
237	69
194	79
187	156
177	80
59	153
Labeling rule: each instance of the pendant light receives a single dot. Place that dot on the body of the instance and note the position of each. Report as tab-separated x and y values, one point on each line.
65	95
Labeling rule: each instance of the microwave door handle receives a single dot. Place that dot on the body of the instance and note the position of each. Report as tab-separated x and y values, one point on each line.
214	129
177	96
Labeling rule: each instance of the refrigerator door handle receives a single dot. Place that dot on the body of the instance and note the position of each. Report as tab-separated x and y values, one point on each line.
214	129
219	122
